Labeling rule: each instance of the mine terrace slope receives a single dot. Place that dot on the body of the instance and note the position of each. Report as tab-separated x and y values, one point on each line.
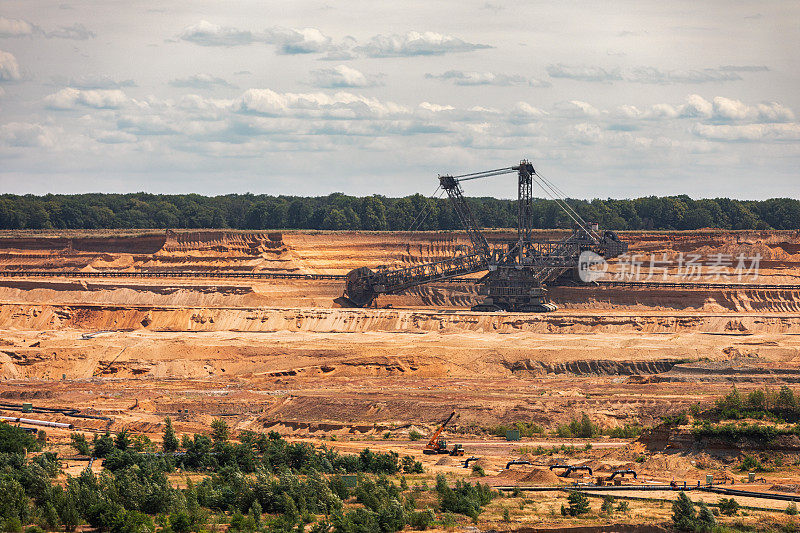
269	351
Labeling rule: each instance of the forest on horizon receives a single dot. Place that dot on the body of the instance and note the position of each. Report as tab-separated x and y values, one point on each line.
342	212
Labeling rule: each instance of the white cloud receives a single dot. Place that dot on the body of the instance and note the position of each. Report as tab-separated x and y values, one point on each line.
727	109
16	28
583	73
342	76
748	132
71	98
94	82
744	68
584	133
650	75
298	41
288	40
27	134
200	81
435	108
9	68
523	112
663	77
697	106
342	105
460	77
115	137
146	125
77	32
720	109
577	109
205	33
415	43
23	28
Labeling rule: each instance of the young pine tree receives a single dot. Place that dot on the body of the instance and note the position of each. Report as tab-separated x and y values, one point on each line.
170	443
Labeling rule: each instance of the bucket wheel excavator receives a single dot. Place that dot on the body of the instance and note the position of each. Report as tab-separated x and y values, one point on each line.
517	271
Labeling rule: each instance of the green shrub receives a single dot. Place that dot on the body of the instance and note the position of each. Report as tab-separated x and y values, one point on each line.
357	521
628	431
578	427
751	464
607	507
791	509
624	507
11	525
421	520
16	440
728	506
102	445
478	470
683	515
578	504
219	430
80	443
679	419
526	429
411	465
705	520
122	440
463	498
414	434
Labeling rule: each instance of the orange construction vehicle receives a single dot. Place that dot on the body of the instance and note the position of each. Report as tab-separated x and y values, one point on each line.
437	445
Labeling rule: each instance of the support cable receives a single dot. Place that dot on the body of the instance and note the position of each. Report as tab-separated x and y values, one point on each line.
552	191
424	210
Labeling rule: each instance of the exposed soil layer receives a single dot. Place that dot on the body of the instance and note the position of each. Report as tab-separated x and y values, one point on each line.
339	252
281	355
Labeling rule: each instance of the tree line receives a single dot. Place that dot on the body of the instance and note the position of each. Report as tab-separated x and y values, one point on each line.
260	483
338	211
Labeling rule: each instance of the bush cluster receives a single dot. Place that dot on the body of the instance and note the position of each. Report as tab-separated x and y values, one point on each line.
734	433
261	483
582	427
293	483
759	404
685	518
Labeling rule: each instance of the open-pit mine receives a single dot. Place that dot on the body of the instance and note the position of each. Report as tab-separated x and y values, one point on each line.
117	330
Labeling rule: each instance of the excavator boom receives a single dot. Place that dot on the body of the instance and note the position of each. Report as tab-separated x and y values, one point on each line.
518	271
433	445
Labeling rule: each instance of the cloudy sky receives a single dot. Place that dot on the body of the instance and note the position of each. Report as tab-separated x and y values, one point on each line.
608	99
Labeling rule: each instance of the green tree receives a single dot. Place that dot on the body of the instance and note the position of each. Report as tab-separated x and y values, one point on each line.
373	214
786	400
14	503
122	441
728	506
335	219
80	443
14	439
607	507
102	445
170	441
705	519
219	430
578	504
683	516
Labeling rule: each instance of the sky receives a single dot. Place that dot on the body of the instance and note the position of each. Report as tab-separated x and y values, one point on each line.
607	99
